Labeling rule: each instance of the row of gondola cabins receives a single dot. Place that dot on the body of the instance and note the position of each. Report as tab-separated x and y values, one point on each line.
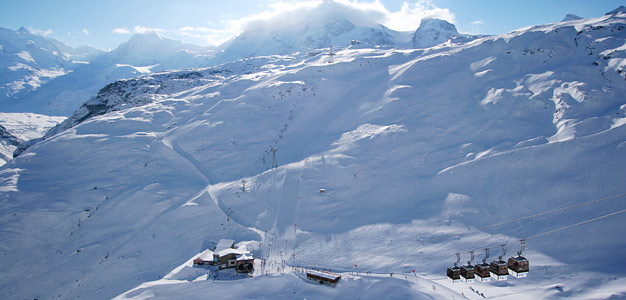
516	266
226	256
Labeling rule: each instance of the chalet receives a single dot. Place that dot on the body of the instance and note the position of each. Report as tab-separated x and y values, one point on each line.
205	258
227	258
323	277
245	263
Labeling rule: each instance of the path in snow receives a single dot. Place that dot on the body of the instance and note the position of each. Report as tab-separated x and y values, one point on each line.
211	177
289	200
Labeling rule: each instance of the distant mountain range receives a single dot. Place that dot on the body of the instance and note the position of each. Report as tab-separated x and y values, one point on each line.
47	77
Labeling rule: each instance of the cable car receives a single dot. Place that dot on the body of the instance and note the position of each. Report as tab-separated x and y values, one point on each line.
467	272
518	265
481	271
499	269
454	273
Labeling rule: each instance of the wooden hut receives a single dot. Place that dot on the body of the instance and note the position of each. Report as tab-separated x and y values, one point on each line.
323	277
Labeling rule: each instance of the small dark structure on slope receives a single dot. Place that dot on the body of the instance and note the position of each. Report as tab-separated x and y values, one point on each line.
323	277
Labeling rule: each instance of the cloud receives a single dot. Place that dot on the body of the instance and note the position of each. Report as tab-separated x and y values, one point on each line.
288	13
206	35
85	32
410	15
39	31
407	18
477	22
136	29
120	30
143	29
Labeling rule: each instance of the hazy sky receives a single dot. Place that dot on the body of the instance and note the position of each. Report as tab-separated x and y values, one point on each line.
106	24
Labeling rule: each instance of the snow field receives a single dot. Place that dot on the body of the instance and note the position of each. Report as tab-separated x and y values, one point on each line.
413	159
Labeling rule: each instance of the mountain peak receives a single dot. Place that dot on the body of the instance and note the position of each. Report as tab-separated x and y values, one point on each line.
433	32
23	30
148	36
621	9
571	17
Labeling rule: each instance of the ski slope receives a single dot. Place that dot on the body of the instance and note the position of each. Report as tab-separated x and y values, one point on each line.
423	153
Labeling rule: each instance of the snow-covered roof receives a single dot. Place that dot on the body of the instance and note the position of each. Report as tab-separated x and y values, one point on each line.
224	244
232	251
327	275
245	257
206	255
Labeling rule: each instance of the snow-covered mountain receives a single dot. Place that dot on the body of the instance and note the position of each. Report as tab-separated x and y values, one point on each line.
29	61
328	24
433	32
20	127
60	89
8	144
143	53
151	52
571	17
421	153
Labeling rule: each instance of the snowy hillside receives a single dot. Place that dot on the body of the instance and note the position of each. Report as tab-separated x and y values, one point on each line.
421	153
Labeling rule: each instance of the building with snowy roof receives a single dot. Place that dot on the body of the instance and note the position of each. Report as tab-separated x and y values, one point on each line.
245	263
228	257
323	277
204	258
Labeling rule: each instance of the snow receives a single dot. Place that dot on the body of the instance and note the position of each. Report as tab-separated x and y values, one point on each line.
244	257
16	128
231	251
53	79
224	244
417	164
432	32
206	255
142	70
27	126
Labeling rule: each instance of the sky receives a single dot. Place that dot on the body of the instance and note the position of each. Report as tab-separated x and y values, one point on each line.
106	24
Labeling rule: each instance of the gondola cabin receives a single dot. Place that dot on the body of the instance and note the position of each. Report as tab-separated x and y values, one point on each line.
454	274
499	270
518	266
481	272
467	273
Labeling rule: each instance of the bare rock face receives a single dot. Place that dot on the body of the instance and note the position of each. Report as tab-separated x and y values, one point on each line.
433	32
